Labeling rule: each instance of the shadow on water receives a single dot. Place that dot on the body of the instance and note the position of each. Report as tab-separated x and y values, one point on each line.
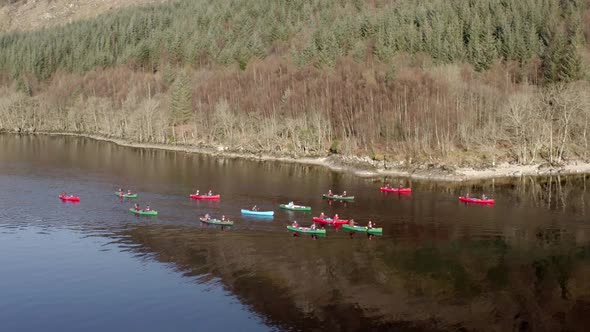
351	285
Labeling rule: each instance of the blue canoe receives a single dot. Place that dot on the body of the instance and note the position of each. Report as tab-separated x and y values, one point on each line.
258	213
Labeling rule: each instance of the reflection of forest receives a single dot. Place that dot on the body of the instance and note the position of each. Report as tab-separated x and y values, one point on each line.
567	193
352	285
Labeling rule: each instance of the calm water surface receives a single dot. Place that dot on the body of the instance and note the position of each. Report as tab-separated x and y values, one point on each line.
522	265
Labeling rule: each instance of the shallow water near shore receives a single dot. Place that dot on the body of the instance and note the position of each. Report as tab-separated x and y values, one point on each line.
440	264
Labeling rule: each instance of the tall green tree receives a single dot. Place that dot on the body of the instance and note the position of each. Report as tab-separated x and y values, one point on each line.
181	103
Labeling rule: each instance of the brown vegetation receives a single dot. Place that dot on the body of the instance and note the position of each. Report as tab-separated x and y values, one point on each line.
443	113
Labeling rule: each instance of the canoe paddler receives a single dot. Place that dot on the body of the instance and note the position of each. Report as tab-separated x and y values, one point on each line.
401	185
330	193
312	226
467	195
388	186
351	222
295	224
255	208
322	216
335	217
484	197
147	208
136	207
129	192
344	193
207	216
370	225
210	193
222	218
291	204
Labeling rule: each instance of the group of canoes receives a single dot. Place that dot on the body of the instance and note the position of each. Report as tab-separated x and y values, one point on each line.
345	224
466	199
336	222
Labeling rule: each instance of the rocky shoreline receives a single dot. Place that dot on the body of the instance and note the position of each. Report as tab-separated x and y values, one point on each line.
362	166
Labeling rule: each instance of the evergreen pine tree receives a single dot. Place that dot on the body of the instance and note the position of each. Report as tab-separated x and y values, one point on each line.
181	104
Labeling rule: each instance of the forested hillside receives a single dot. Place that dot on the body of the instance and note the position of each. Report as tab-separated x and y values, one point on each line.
457	81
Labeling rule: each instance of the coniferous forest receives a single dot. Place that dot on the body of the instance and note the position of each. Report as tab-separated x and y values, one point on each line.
462	82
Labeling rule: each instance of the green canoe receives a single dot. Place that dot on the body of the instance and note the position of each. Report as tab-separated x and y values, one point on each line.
362	229
295	207
339	197
125	195
144	213
306	230
217	222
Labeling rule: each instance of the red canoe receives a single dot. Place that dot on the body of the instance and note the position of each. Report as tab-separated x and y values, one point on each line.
396	190
69	198
330	221
204	196
476	200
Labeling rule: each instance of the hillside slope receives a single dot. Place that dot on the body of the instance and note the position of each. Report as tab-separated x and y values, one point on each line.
25	15
458	82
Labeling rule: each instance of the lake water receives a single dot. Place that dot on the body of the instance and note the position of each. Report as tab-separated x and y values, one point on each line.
521	265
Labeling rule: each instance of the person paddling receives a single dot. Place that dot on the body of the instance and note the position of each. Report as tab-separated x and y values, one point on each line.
222	218
147	208
322	216
255	208
207	216
210	193
335	218
295	224
136	207
330	193
312	226
401	185
344	193
484	197
197	192
370	225
351	222
129	192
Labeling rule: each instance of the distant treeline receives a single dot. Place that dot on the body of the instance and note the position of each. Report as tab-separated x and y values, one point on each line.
227	32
